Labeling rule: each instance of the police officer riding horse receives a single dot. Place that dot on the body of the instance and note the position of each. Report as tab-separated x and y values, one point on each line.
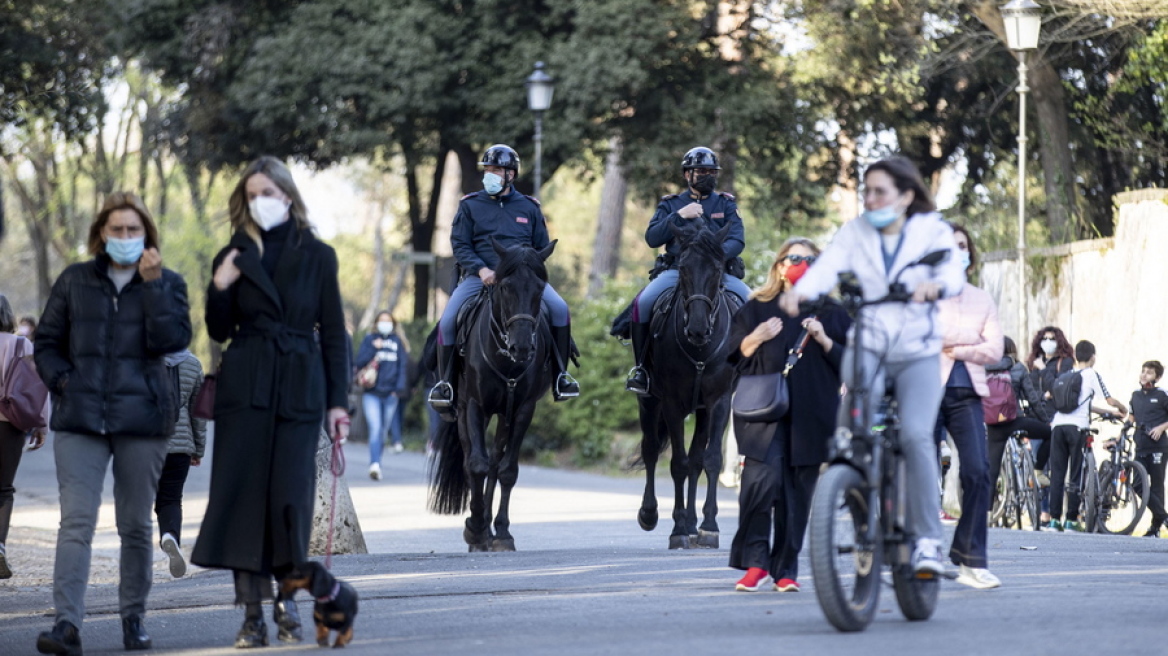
717	208
513	219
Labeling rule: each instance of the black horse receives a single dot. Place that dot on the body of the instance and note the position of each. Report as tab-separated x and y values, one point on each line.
506	367
689	373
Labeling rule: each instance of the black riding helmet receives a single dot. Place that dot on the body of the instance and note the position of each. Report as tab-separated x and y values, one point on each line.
503	156
700	158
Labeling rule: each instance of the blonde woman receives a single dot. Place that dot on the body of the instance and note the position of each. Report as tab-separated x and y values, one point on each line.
274	295
783	458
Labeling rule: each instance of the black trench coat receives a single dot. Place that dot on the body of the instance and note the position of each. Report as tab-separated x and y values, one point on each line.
287	362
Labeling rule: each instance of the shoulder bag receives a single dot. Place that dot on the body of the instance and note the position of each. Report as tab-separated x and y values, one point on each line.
764	398
22	393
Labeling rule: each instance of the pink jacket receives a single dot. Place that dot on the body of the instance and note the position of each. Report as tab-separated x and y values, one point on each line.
970	332
8	343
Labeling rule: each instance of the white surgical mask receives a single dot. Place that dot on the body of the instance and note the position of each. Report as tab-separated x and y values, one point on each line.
385	327
492	183
268	212
1048	346
22	331
963	258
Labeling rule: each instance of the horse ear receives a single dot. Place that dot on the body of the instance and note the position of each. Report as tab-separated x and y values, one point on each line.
721	234
676	230
498	246
546	252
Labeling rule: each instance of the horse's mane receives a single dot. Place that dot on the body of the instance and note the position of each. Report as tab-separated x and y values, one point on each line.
702	240
522	257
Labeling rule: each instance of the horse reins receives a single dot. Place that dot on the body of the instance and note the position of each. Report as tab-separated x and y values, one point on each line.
498	333
700	365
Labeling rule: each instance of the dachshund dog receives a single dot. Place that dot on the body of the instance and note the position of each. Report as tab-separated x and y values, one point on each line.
336	601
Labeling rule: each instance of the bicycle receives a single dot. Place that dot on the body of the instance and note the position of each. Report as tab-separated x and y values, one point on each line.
865	480
1017	494
1123	484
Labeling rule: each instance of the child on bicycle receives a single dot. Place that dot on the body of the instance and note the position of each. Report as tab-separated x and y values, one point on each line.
1149	408
1066	449
901	340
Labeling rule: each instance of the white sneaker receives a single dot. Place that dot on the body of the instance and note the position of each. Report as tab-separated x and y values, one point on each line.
977	577
397	448
178	564
375	471
927	557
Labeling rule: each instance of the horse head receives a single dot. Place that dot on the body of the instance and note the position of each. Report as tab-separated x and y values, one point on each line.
521	277
699	272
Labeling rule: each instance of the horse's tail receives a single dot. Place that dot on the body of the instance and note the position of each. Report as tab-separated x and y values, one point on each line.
449	488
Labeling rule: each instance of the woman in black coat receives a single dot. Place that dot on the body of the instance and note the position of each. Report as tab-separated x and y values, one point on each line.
783	458
275	296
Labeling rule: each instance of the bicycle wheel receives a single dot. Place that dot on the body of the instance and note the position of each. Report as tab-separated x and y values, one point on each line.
846	572
917	597
1089	495
1001	492
1028	491
1124	498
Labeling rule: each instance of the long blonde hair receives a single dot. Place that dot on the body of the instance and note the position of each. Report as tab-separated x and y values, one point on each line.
776	284
239	213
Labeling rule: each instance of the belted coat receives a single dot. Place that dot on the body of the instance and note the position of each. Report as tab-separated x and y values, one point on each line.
288	361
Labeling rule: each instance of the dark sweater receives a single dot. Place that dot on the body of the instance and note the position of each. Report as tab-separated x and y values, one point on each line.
814	382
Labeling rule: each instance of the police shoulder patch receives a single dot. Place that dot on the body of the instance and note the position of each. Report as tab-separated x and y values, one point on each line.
727	194
469	195
669	196
532	199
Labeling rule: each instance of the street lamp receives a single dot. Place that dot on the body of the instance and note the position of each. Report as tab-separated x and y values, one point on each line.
1023	21
540	87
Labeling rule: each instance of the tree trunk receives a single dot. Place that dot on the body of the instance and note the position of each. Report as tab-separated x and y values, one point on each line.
611	220
847	201
378	283
347	535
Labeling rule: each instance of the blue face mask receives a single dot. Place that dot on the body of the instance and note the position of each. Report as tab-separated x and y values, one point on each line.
492	183
963	258
125	251
881	218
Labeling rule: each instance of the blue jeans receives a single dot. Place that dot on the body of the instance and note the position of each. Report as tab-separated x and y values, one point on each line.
961	415
379	412
643	311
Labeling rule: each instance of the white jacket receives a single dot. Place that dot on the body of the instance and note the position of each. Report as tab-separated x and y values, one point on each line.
901	331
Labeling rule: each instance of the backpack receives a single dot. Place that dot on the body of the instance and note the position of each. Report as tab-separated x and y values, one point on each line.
1001	405
1065	392
22	393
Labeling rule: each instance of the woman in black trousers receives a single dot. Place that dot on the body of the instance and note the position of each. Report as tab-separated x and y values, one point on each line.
275	296
783	458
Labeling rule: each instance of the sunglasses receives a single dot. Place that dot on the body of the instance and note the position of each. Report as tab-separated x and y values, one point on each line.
799	259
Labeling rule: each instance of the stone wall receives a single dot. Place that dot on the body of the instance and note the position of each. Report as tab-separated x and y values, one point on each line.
1109	291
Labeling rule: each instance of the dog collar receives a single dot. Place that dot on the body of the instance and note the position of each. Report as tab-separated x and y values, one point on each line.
332	595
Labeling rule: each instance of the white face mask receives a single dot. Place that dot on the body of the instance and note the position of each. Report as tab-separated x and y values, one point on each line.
385	327
268	212
22	331
1048	346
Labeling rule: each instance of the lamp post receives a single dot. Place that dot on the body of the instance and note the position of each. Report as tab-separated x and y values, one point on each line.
540	87
1023	21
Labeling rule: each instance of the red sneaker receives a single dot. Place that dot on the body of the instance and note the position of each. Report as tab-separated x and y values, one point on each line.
755	578
787	585
947	519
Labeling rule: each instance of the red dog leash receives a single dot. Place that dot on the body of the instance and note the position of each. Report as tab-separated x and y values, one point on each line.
337	467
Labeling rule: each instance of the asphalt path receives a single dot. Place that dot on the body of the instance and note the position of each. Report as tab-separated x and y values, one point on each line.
587	580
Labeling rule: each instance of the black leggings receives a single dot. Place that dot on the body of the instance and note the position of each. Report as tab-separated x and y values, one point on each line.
999	433
1155	463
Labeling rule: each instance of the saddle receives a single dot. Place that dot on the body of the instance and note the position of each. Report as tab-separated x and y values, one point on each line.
468	314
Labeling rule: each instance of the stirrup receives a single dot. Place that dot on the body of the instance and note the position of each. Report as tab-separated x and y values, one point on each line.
630	383
566	387
441	396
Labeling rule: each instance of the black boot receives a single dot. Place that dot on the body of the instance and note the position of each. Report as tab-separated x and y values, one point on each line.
442	394
133	634
638	380
253	633
565	386
287	619
63	639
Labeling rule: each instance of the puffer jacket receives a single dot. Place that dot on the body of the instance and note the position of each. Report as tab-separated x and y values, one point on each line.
1029	396
970	332
190	433
100	351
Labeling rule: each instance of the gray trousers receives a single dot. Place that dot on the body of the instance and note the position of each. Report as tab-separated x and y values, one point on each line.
918	397
81	465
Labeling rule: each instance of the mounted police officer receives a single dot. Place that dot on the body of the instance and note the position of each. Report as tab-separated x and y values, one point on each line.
514	219
700	168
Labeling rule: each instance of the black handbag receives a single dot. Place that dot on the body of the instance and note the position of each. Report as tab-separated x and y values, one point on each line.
764	398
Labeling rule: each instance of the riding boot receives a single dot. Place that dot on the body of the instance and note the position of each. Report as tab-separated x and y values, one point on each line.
442	394
638	380
566	387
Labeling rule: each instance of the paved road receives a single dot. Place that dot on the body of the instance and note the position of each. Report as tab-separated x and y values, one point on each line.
588	581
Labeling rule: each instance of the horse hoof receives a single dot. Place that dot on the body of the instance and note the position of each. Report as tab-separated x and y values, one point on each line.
503	544
679	542
476	548
708	539
647	519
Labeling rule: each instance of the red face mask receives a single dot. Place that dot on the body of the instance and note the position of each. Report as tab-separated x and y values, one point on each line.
795	272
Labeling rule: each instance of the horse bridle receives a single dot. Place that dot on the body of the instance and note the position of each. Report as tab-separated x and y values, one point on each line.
713	303
506	336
